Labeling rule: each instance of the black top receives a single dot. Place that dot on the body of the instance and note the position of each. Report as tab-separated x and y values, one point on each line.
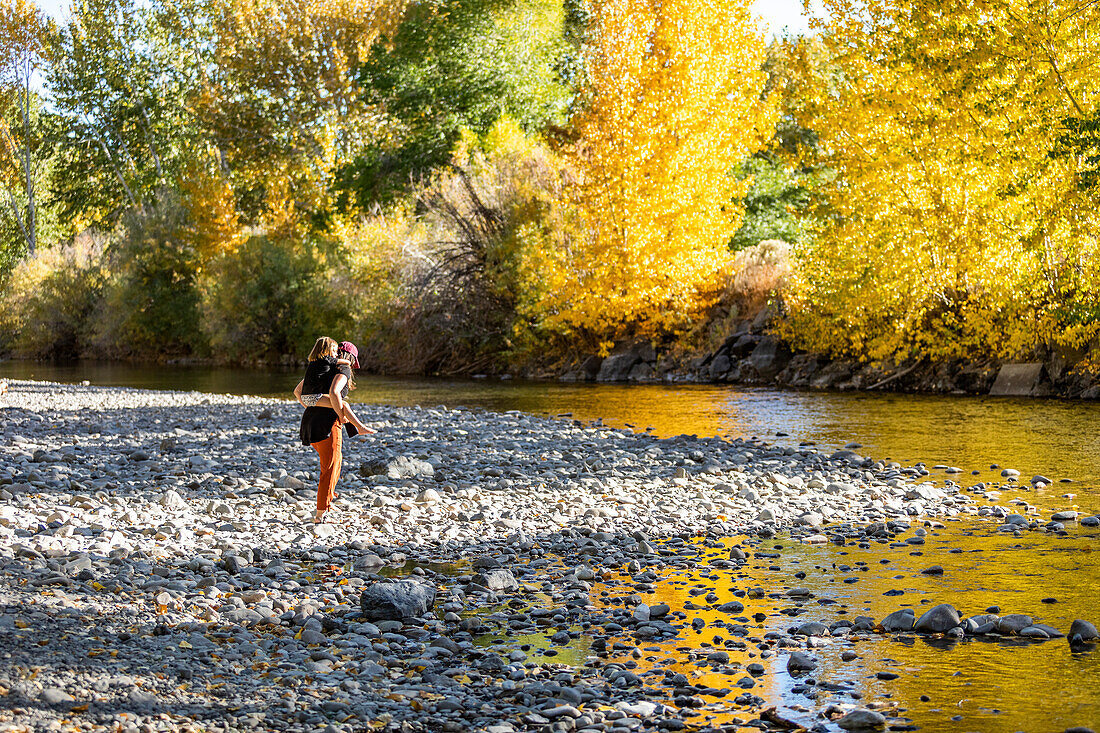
317	422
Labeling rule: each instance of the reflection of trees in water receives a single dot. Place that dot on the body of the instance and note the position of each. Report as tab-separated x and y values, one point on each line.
675	589
972	677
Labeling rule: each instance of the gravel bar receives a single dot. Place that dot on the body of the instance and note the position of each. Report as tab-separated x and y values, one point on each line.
159	570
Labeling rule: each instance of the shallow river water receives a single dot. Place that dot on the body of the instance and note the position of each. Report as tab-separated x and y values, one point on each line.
1007	685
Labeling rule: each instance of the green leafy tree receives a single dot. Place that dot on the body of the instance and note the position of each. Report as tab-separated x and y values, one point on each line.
275	295
276	95
153	305
24	41
775	203
126	126
1080	140
456	65
784	199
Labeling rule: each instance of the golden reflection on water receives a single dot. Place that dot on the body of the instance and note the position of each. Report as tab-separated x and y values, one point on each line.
973	685
992	685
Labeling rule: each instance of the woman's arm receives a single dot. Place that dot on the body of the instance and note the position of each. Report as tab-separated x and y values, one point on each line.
336	399
298	392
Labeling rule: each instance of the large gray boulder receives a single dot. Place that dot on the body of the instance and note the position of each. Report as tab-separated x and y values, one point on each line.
720	366
590	367
769	357
627	361
741	345
616	368
397	467
938	619
397	600
1019	380
902	620
496	579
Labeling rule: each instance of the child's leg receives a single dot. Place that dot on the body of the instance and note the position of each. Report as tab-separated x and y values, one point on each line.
348	415
354	420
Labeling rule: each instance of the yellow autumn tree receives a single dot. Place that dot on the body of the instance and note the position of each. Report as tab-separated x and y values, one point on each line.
953	230
214	227
673	102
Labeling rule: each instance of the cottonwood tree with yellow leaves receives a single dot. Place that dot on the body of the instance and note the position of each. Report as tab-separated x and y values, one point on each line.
955	230
672	102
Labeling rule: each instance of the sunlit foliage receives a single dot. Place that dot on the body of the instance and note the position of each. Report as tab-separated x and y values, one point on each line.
124	126
474	290
278	97
955	232
25	37
673	104
455	65
50	301
463	182
214	226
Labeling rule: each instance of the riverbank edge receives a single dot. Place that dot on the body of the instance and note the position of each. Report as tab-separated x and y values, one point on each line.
753	356
760	359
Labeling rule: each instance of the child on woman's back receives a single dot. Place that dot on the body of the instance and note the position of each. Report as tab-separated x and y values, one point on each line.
327	361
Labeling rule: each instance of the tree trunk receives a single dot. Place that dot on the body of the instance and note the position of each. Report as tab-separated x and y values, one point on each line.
115	167
31	231
152	144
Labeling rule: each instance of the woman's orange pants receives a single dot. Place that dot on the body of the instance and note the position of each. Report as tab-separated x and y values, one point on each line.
331	452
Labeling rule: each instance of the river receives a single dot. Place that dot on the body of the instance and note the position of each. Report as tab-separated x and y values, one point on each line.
1058	439
970	686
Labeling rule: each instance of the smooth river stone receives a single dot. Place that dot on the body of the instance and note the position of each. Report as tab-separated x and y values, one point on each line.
1083	629
1013	623
902	620
862	719
938	619
396	601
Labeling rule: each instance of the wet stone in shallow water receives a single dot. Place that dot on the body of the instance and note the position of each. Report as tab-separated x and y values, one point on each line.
937	619
902	620
799	662
862	719
1083	631
1013	623
813	628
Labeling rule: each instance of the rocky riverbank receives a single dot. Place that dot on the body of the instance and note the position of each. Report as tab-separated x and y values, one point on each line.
158	570
754	357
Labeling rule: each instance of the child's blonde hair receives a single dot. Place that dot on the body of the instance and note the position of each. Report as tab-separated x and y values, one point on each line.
324	346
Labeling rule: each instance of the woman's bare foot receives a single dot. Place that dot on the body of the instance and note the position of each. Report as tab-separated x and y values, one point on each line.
318	517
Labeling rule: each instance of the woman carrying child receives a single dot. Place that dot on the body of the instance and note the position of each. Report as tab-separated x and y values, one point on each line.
322	392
